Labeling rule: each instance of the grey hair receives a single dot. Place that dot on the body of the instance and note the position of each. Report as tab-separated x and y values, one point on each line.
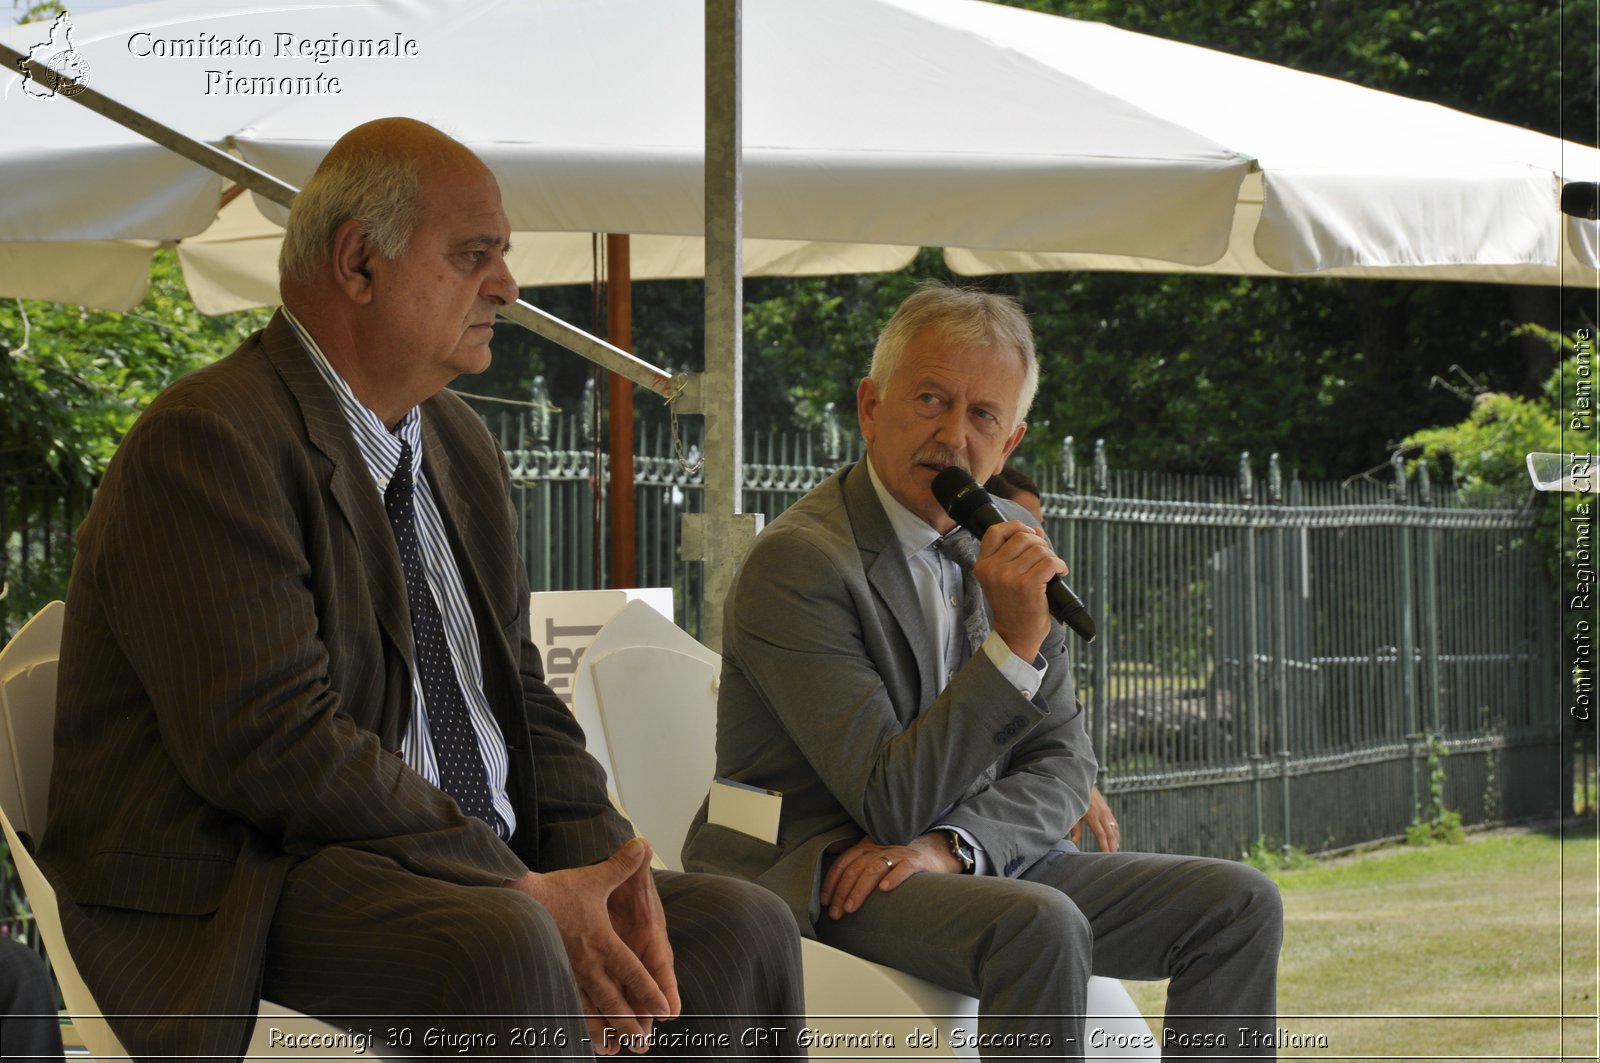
380	188
960	315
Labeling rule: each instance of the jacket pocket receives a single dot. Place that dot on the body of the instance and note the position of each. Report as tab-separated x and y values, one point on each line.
725	851
157	882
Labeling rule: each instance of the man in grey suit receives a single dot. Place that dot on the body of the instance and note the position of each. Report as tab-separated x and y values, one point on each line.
304	747
931	755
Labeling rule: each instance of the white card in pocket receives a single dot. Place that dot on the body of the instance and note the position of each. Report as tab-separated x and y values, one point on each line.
745	808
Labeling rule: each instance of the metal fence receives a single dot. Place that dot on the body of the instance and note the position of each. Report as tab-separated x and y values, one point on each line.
1274	658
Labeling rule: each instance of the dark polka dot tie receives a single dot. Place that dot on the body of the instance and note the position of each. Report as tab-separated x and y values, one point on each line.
455	744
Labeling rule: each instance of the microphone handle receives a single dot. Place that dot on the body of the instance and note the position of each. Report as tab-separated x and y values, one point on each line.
1069	608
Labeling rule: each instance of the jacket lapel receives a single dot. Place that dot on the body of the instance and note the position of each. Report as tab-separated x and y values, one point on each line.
349	483
883	561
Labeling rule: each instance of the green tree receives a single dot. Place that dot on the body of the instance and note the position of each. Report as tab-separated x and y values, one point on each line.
72	381
1485	454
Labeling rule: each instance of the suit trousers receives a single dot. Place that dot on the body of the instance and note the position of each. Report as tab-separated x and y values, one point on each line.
1025	947
436	968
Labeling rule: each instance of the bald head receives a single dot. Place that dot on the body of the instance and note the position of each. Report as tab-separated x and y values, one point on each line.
374	175
394	262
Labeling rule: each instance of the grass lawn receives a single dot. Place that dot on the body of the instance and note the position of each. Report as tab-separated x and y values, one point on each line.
1468	951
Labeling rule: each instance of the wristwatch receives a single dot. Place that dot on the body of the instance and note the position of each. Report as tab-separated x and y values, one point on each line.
961	851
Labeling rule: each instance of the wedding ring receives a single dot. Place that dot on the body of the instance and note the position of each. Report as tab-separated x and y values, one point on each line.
887	862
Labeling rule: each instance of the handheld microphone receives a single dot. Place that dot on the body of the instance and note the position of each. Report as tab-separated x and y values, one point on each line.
972	508
1581	199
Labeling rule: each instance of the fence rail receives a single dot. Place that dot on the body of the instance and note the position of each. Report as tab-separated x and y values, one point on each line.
1274	658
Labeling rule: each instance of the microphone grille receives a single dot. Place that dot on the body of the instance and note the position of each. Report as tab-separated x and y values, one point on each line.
1581	199
959	494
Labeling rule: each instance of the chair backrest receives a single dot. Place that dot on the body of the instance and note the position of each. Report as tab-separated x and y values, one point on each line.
27	717
38	640
27	720
653	689
27	723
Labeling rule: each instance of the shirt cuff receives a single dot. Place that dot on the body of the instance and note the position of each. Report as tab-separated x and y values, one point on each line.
1019	673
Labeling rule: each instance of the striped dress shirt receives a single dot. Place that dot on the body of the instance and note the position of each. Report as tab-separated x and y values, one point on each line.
381	450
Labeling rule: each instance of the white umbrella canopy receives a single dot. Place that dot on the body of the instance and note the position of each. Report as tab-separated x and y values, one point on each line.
1013	139
233	265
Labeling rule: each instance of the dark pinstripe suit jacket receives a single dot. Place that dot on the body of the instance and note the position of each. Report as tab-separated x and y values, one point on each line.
234	688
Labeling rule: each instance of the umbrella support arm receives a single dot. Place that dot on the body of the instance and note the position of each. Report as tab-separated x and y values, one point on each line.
236	170
264	184
596	350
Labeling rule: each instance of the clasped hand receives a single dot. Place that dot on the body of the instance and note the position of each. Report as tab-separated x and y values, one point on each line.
868	866
615	934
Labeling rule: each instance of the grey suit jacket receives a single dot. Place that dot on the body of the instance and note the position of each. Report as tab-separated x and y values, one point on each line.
830	694
234	688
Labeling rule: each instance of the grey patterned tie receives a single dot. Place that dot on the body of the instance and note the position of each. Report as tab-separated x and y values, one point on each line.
960	546
455	744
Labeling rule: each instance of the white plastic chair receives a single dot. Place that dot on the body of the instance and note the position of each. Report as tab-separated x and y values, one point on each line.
39	640
651	691
27	719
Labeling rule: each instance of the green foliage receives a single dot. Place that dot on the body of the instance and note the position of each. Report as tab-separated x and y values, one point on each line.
808	340
1177	373
1446	831
73	380
1437	824
1182	373
1486	453
1268	856
36	12
1488	450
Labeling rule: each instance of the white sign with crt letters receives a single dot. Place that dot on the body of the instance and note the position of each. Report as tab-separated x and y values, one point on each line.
563	623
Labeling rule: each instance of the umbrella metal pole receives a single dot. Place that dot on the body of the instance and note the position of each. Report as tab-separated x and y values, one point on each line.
720	535
619	330
282	193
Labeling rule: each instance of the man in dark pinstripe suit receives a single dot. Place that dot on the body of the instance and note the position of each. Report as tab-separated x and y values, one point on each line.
248	798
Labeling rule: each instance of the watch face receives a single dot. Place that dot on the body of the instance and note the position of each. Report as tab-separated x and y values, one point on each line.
961	851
